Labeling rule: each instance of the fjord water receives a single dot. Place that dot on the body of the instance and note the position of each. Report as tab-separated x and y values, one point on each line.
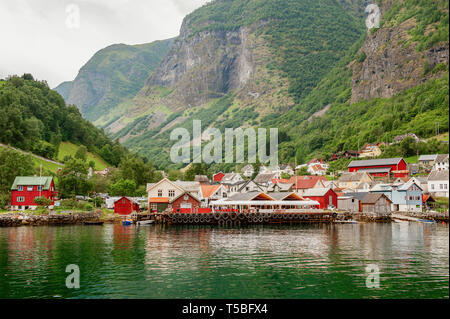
311	261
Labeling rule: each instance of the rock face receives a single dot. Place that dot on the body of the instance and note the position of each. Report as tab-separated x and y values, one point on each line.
206	65
391	64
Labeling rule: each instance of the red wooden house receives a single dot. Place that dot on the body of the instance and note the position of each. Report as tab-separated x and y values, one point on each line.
185	203
325	196
125	206
26	188
218	177
381	167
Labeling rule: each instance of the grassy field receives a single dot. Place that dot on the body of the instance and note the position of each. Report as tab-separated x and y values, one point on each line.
67	148
411	159
46	165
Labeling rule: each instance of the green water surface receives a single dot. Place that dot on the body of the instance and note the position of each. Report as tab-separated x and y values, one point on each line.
313	261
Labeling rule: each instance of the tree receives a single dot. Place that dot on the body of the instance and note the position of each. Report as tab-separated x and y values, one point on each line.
73	178
81	153
124	187
303	171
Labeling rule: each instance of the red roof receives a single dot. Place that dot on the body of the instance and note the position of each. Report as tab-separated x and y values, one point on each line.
305	182
218	177
315	160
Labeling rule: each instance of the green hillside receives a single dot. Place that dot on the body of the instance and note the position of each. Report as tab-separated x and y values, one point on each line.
111	77
69	149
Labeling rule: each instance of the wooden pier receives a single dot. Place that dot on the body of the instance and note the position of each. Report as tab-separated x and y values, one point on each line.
238	219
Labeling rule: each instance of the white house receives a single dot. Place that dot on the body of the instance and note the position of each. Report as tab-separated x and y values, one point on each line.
231	178
441	163
438	184
248	170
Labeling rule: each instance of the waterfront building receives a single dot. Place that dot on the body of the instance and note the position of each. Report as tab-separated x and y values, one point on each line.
326	197
209	193
26	189
404	197
185	203
438	184
376	204
125	206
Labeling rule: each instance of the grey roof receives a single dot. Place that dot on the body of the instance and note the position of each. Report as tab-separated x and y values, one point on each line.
427	157
315	192
376	162
243	196
438	176
376	170
351	176
201	178
263	178
280	195
245	183
357	195
441	158
373	198
188	186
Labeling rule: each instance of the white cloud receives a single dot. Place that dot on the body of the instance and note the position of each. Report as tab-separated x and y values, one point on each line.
36	39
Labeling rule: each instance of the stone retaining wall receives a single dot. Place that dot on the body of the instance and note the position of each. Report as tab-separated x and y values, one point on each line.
21	219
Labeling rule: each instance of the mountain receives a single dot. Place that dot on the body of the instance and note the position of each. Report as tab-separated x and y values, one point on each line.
235	63
36	119
309	67
111	77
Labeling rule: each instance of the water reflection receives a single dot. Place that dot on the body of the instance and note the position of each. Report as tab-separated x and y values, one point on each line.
314	261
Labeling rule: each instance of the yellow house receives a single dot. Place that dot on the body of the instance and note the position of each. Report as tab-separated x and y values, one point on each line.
370	150
353	180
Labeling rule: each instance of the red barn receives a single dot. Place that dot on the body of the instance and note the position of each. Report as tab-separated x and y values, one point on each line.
325	196
381	167
218	177
185	203
26	188
125	206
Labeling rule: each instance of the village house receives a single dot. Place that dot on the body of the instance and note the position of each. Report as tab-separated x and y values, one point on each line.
376	204
161	194
384	167
370	150
264	180
249	186
185	203
345	154
427	161
400	138
438	184
218	177
202	179
317	169
352	180
303	183
404	197
326	197
248	170
441	162
125	206
283	169
26	189
232	178
421	181
209	193
348	203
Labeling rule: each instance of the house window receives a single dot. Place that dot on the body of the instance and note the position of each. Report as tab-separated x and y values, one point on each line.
432	186
171	193
30	188
39	188
123	201
20	199
445	186
160	192
441	186
154	206
20	188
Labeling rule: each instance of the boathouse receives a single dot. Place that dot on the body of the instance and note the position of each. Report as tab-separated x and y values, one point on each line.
376	204
125	206
381	167
185	203
325	196
26	189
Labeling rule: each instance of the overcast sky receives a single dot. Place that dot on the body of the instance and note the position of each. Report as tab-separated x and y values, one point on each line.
53	39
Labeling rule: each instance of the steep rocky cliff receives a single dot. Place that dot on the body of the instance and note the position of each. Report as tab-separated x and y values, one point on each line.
399	55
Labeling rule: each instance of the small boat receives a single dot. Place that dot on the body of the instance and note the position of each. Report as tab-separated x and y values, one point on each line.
145	222
93	223
426	221
127	222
